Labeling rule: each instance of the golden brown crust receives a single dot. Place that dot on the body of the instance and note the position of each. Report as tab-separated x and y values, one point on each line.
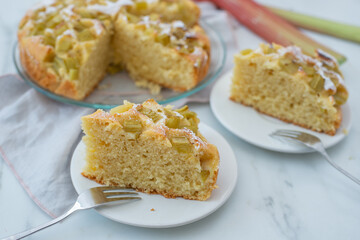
332	133
206	56
68	89
31	51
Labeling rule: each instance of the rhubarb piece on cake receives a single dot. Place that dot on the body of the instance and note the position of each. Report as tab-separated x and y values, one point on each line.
285	83
151	148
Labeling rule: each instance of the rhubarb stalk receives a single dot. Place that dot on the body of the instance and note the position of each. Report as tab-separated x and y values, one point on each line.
271	27
340	30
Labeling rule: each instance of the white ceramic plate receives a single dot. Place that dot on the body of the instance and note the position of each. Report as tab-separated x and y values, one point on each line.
167	212
255	128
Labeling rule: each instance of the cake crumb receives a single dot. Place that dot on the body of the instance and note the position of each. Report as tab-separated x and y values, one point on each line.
104	86
153	210
345	131
154	88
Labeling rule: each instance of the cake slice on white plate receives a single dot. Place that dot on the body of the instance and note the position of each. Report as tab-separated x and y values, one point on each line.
151	148
285	83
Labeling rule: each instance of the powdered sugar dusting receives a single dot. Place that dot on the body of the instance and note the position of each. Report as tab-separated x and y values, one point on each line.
318	65
111	8
45	3
98	28
67	13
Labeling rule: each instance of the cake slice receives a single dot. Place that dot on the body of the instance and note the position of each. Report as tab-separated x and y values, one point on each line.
285	83
152	149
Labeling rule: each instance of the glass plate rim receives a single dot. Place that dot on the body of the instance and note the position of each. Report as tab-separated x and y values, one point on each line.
27	79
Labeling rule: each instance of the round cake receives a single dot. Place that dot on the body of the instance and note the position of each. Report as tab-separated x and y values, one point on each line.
68	46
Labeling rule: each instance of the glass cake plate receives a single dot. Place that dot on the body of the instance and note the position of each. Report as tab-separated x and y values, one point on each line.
118	87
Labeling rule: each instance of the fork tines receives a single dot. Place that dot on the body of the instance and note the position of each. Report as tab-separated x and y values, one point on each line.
296	136
285	132
115	193
280	134
113	190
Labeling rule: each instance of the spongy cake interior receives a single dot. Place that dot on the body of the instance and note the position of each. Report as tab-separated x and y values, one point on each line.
136	51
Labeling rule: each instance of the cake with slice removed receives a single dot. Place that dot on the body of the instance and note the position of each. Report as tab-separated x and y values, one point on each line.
285	83
68	46
150	148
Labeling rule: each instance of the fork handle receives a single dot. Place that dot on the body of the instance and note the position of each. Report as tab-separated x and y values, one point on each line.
48	224
356	180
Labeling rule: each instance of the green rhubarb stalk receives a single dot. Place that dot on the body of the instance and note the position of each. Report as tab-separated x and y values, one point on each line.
340	30
271	27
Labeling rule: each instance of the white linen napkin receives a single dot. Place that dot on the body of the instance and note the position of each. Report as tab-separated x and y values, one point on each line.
38	135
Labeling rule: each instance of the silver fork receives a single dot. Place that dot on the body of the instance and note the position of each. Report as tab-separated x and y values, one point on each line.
310	141
91	198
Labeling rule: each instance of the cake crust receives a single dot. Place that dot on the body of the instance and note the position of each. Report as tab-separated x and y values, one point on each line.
35	67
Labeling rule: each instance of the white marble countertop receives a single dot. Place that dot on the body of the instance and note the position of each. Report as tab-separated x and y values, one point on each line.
278	196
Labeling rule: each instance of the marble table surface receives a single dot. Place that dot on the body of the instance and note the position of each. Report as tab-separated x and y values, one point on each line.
277	196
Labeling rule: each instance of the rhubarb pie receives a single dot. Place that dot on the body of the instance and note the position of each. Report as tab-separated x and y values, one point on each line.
151	148
285	83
